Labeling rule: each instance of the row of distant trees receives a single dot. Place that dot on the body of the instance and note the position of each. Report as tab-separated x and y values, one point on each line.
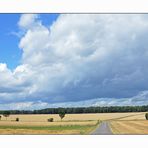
76	110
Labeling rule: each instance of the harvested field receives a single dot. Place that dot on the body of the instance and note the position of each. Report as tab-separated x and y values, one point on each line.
129	127
72	129
37	124
75	117
120	123
36	132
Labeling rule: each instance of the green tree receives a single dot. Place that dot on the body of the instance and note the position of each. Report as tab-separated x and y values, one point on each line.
6	114
146	116
61	113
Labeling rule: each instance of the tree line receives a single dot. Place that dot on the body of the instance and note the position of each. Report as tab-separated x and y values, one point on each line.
77	110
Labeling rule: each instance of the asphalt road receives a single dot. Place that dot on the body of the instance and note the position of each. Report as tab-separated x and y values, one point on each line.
103	129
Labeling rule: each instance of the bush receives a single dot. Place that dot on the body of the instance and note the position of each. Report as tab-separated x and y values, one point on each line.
17	119
146	116
50	120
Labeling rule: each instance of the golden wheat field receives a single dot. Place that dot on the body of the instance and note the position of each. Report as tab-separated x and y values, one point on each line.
63	123
76	117
37	124
129	127
130	124
38	132
120	123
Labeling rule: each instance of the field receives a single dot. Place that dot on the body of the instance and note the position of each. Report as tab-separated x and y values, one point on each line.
120	123
131	124
130	127
70	129
75	117
37	124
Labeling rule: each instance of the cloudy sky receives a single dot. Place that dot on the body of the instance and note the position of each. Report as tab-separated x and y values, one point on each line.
52	60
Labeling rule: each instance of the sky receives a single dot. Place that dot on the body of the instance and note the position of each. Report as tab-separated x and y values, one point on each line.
73	60
10	53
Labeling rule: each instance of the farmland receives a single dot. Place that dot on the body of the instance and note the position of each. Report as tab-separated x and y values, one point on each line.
130	127
37	124
131	124
76	117
120	123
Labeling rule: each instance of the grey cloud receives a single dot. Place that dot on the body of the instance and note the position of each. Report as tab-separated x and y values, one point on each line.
82	57
140	99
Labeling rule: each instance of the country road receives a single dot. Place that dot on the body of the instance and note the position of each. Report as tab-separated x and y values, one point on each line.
103	129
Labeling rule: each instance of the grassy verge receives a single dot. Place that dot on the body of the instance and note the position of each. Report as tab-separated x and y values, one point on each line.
61	127
79	129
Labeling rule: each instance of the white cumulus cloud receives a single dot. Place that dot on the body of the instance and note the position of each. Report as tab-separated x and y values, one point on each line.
79	57
28	20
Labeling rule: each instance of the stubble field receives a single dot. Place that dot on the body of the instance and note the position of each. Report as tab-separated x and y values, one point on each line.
120	123
131	124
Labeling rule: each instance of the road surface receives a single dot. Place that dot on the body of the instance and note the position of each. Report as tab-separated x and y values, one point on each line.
103	129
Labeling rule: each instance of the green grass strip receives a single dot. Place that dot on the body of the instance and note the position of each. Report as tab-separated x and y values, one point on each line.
68	127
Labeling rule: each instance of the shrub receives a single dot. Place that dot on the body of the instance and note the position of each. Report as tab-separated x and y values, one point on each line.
146	116
50	120
17	119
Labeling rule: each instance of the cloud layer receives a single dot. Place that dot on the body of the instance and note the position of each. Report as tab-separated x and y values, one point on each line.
79	57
